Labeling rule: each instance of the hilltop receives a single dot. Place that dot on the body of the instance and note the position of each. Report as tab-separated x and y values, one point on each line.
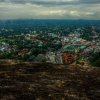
45	81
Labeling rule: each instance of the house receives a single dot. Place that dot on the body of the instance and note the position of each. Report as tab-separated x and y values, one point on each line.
67	58
4	47
50	57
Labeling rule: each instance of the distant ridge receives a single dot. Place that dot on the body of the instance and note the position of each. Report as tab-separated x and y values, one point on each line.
51	21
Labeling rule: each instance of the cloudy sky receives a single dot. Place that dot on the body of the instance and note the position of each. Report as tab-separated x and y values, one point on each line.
50	9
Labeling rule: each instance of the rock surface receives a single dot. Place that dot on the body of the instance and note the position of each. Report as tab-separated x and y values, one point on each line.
41	81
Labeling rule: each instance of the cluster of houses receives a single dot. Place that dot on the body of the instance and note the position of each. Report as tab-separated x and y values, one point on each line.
74	47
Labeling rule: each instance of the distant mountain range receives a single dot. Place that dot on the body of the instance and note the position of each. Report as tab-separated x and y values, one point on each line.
50	21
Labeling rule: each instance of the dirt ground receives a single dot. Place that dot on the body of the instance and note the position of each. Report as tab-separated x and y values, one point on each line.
41	81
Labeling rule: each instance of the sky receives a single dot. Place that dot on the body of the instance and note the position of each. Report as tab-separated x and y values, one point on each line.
50	9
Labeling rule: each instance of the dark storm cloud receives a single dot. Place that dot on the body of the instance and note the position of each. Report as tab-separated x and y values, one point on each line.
53	2
90	1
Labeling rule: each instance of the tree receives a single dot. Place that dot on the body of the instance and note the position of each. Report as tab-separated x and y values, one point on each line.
95	59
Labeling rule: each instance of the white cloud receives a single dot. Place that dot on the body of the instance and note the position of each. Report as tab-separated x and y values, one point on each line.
74	13
57	12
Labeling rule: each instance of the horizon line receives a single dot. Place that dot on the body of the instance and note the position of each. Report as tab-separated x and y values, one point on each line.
49	19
